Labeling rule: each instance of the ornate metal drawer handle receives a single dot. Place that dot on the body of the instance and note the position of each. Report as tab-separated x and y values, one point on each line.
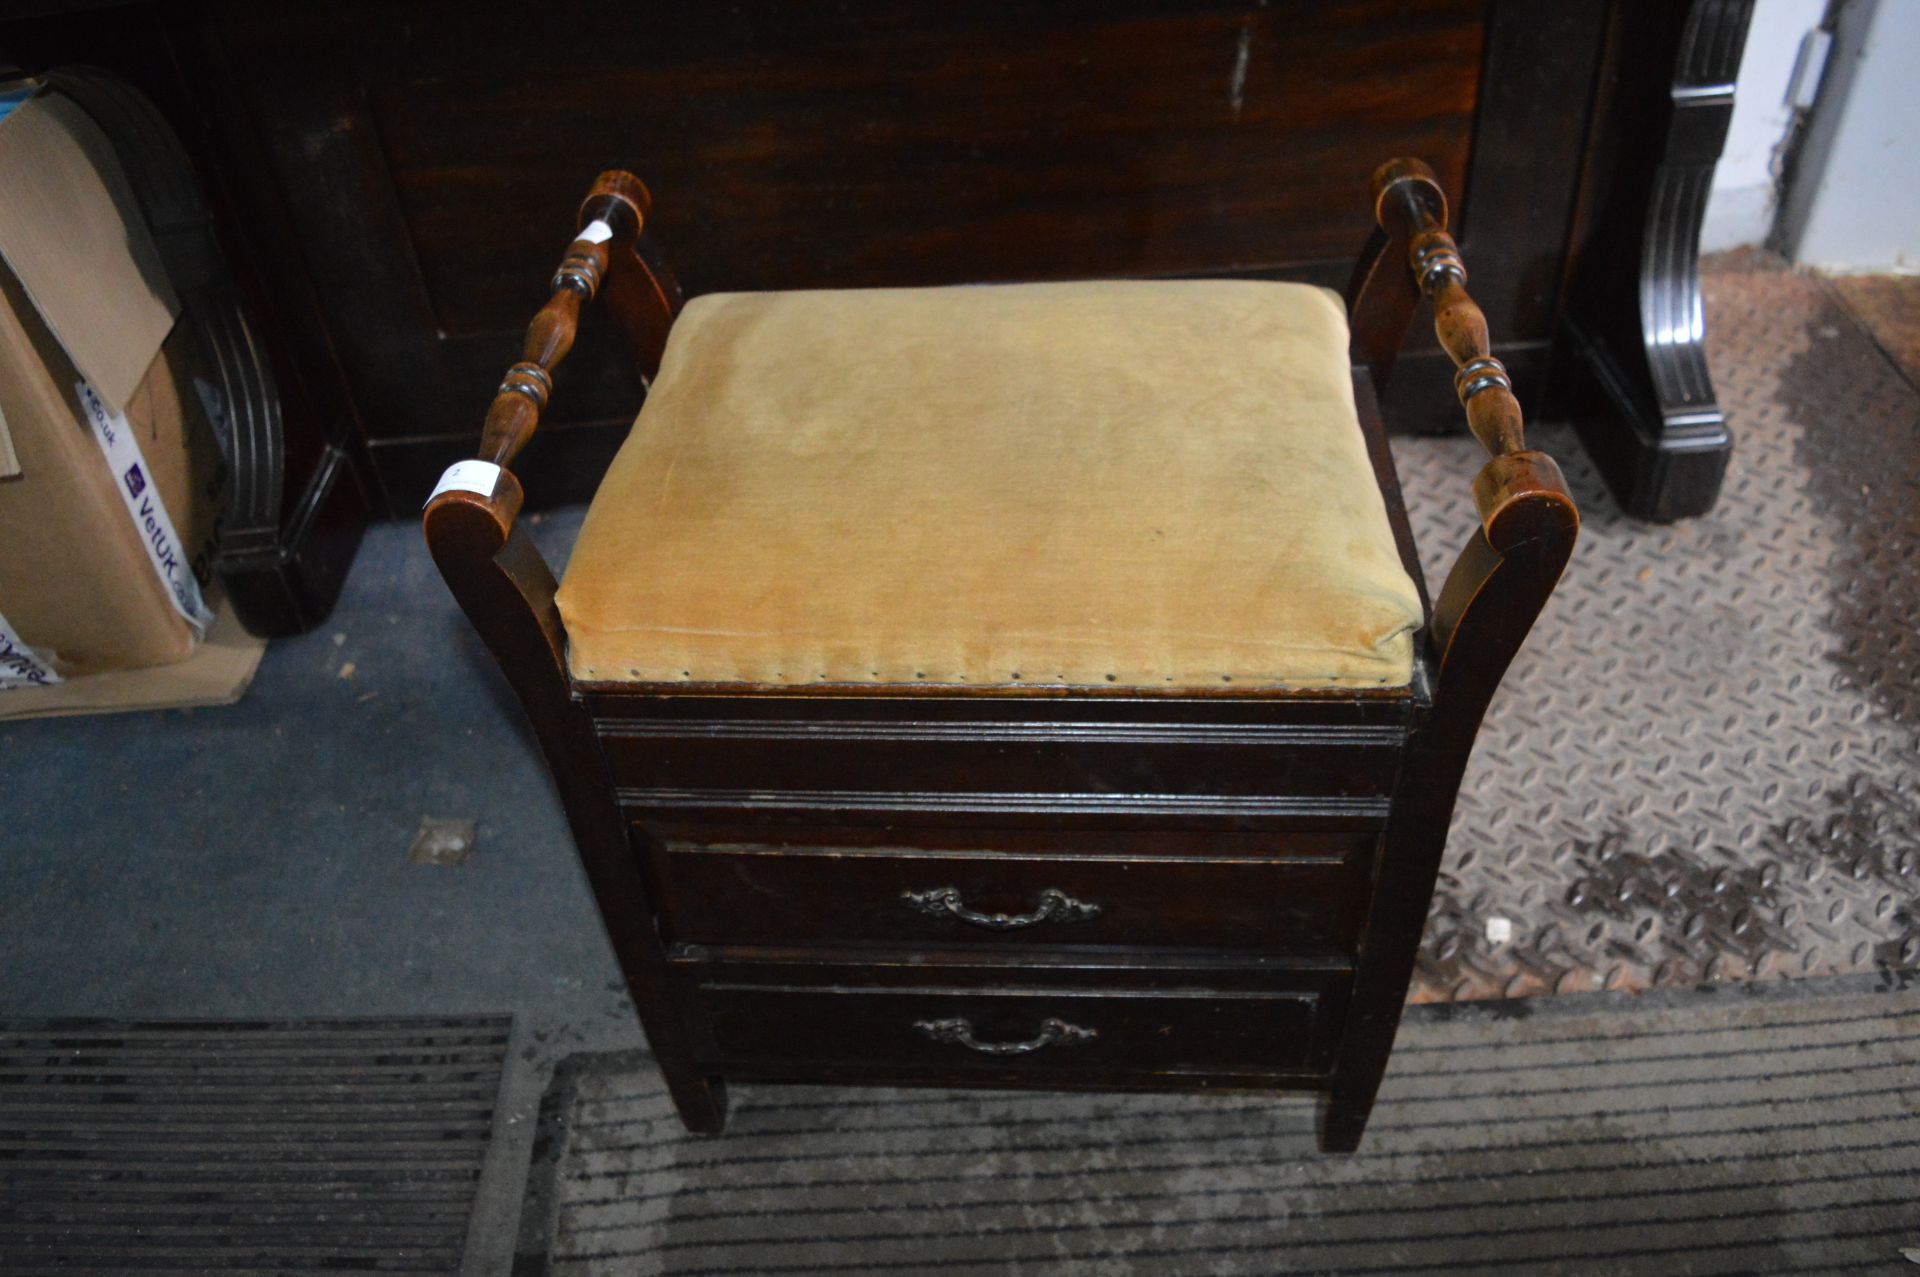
945	902
1052	1033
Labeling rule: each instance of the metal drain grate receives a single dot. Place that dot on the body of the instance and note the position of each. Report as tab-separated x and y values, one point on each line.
222	1146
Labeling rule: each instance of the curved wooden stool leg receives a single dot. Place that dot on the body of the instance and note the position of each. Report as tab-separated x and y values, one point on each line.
1502	579
506	590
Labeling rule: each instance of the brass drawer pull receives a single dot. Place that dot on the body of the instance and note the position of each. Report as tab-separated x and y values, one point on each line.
1052	1033
945	902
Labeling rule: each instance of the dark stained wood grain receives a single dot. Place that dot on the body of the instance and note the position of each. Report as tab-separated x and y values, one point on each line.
429	150
1083	839
394	172
737	893
1039	757
1488	604
904	143
1146	1021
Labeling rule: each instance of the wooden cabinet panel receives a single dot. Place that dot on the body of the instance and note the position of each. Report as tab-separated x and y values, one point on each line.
430	154
427	156
910	143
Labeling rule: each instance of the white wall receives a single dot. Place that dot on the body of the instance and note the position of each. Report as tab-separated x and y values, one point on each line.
1745	184
1854	189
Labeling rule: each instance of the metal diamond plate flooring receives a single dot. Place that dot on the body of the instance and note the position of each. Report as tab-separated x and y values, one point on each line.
1705	763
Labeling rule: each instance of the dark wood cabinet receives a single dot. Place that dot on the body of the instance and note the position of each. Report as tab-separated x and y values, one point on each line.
426	150
397	170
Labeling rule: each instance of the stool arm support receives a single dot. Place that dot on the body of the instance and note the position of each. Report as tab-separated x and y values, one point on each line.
611	219
610	249
1496	589
1412	212
507	590
494	572
1528	520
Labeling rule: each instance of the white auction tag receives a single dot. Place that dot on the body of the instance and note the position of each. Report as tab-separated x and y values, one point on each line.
596	232
129	467
467	476
20	665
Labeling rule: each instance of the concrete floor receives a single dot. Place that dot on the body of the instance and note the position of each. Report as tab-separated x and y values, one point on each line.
252	860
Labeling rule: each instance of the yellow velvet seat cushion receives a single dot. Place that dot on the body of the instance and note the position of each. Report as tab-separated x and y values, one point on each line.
1107	484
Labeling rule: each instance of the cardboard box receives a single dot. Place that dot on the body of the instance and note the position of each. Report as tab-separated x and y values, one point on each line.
217	673
73	235
82	300
76	582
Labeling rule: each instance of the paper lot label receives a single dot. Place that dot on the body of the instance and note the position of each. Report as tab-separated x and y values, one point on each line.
20	665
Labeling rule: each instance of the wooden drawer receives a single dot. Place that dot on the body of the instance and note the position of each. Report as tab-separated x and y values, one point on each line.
1227	769
1311	900
1080	1026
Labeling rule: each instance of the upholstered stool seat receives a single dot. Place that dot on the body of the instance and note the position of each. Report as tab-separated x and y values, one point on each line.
1112	484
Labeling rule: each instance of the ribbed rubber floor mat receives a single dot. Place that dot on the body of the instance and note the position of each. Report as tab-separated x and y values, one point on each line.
1720	1135
220	1146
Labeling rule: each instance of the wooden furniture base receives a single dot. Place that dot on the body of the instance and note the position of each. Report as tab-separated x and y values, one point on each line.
1630	361
1099	888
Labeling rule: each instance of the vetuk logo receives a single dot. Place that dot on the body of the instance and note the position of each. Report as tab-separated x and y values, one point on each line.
18	666
136	482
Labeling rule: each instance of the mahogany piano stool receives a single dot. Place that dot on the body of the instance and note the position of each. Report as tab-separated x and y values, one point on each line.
1019	686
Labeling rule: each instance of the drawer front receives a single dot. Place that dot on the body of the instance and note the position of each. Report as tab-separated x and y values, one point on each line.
1311	901
657	761
1017	1033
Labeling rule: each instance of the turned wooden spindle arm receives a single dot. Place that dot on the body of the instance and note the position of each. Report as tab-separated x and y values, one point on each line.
608	254
610	219
1520	492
